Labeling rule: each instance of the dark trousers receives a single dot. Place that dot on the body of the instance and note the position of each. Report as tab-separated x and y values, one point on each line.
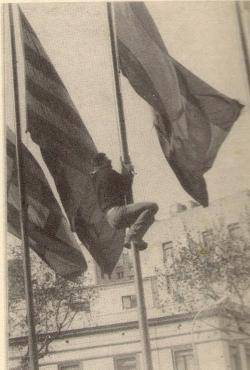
137	216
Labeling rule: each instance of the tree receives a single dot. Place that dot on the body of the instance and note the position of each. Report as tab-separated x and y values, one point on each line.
202	273
57	302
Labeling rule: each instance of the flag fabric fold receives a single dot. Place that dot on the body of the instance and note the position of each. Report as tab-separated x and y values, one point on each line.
67	149
49	232
192	119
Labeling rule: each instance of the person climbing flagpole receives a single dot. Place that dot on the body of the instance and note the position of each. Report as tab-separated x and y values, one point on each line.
142	315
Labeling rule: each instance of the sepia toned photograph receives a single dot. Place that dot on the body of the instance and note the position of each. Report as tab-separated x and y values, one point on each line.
127	192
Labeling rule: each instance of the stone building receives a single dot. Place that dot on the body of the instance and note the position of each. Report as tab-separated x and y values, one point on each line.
179	339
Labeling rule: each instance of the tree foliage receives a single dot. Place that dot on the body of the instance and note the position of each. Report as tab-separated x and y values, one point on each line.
222	266
57	302
203	272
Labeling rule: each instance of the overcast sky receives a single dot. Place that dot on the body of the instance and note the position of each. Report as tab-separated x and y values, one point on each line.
201	35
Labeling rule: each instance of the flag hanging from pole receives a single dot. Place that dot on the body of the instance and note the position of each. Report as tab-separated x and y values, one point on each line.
192	119
49	232
67	149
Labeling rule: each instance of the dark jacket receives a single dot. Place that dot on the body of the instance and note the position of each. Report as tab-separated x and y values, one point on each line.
111	187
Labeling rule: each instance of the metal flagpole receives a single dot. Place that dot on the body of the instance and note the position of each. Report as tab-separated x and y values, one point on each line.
142	315
33	359
246	51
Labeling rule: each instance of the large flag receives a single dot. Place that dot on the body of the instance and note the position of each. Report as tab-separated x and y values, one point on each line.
67	149
49	232
192	119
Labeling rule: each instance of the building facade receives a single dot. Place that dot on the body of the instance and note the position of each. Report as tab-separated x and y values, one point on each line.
106	336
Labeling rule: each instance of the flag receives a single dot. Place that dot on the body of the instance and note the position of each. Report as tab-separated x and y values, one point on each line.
192	119
48	230
67	149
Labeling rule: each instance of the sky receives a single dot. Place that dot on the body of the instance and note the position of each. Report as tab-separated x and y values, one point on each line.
203	36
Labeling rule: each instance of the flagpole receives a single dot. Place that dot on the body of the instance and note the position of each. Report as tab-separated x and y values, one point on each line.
33	359
246	51
142	314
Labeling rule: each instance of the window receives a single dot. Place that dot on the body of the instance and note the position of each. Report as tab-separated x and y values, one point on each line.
131	271
127	363
70	366
79	306
184	360
234	230
16	278
129	301
207	237
170	283
167	249
124	256
101	276
120	275
235	358
122	271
